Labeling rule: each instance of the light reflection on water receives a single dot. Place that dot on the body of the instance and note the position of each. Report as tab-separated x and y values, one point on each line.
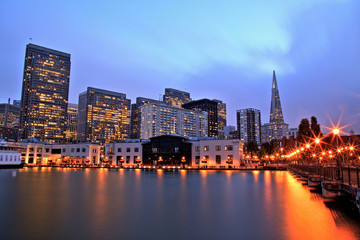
45	203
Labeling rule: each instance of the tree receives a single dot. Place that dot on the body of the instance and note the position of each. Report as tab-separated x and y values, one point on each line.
315	127
251	147
304	131
266	149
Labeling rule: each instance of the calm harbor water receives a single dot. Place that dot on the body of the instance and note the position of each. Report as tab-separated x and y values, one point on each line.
45	203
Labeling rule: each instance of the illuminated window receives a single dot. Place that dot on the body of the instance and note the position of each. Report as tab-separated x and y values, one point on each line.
218	148
206	148
228	148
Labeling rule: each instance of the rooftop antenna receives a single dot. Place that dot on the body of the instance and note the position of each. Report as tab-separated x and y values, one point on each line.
160	96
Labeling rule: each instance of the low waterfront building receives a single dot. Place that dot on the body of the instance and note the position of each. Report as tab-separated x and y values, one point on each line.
9	155
215	153
126	154
177	151
35	152
76	154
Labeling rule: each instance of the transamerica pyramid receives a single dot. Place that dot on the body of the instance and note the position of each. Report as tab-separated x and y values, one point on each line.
276	115
276	129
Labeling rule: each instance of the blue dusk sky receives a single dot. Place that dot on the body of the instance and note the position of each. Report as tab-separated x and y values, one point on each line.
217	49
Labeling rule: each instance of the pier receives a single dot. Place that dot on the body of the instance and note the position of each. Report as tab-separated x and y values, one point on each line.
334	181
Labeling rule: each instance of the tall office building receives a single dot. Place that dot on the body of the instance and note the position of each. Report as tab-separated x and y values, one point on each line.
249	125
44	96
276	128
9	121
221	109
136	115
159	119
71	132
174	97
17	103
9	115
103	117
209	106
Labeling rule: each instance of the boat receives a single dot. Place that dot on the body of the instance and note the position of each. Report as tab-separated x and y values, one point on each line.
10	156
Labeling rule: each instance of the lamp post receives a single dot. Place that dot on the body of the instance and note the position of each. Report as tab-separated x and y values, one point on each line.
336	132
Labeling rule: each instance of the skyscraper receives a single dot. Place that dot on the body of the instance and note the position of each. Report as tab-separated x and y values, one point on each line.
276	128
9	121
209	106
104	116
71	132
174	97
9	114
136	115
159	119
249	125
45	91
221	114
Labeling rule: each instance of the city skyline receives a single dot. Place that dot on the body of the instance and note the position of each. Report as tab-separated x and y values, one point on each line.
318	48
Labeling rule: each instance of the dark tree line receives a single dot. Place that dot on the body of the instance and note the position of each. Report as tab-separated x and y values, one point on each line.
308	130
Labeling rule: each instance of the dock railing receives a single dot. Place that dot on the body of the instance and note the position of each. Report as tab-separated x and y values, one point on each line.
350	176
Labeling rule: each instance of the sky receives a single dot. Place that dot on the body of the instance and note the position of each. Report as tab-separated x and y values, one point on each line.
218	49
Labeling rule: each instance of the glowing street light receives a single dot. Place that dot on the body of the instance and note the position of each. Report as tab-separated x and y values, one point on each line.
317	141
336	131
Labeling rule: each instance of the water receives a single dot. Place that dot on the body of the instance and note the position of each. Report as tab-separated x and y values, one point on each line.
45	203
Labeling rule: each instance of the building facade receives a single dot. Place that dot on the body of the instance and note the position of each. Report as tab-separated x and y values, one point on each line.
221	109
276	129
230	132
249	125
294	132
103	116
71	132
209	106
174	97
136	115
159	120
34	152
9	115
217	153
174	151
44	96
126	154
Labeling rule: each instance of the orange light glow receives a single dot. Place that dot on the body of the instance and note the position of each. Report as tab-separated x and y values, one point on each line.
336	131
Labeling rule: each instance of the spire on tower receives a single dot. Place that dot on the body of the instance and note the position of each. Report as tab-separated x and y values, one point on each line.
276	115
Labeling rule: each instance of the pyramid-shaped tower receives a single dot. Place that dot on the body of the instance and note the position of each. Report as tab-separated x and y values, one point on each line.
276	129
276	115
